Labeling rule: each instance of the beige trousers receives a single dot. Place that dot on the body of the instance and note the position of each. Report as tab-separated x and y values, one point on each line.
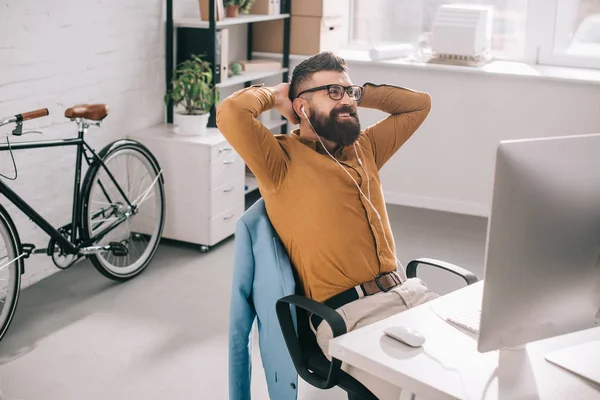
368	310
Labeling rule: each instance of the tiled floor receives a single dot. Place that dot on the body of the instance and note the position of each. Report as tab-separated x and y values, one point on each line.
163	335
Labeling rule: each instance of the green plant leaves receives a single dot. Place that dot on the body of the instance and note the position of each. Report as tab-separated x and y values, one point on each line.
246	6
192	86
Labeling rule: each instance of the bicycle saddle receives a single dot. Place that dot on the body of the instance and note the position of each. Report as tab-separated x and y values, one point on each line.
93	112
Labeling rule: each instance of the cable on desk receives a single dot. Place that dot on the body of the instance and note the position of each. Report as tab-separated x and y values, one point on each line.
463	385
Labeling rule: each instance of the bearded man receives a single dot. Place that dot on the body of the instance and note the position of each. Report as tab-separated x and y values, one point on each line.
322	189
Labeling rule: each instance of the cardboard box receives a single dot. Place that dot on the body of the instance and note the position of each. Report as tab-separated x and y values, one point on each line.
204	10
318	8
308	35
266	7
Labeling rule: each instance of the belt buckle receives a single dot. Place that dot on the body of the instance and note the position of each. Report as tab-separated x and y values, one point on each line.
379	285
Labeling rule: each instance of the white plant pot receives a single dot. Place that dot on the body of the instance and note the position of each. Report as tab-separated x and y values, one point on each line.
190	125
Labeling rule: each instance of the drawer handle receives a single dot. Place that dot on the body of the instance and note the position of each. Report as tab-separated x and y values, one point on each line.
228	217
229	162
224	149
229	189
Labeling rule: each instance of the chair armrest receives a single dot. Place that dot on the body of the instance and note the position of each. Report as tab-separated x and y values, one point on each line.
468	276
338	327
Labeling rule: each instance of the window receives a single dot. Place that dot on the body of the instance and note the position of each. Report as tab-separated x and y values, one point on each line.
573	37
380	22
554	32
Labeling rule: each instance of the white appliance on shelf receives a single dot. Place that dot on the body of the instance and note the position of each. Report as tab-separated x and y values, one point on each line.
204	184
462	32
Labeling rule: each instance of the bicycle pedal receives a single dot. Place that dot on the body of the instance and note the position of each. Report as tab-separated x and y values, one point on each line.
118	249
28	248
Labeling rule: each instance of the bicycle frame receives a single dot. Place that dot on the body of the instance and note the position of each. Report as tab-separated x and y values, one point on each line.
71	247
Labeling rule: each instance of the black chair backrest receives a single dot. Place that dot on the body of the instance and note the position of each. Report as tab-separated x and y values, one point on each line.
306	337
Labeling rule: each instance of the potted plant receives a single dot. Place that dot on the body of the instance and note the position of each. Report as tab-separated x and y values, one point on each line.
232	7
194	93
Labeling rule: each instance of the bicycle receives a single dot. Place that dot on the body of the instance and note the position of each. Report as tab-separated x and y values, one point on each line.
117	217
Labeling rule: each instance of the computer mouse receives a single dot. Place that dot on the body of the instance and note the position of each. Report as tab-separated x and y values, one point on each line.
405	335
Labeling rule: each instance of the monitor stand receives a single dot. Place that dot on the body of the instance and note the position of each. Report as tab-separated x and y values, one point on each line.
516	379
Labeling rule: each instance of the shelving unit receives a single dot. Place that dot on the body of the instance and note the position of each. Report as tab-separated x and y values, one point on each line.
186	36
249	77
195	36
240	20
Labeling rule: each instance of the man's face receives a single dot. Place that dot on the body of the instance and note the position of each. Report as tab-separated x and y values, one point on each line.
334	120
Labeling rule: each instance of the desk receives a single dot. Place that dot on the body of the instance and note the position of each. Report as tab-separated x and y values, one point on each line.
448	365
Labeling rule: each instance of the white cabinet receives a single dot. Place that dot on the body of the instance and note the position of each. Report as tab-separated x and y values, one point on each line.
204	183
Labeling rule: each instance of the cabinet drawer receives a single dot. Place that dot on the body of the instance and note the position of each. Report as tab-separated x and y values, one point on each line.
228	169
221	152
226	196
223	225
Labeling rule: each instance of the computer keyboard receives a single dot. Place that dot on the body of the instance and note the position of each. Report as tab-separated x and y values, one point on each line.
469	321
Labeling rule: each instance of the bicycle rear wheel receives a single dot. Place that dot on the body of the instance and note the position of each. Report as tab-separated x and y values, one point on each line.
136	172
10	270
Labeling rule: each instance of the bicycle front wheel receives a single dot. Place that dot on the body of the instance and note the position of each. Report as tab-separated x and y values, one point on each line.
10	270
135	174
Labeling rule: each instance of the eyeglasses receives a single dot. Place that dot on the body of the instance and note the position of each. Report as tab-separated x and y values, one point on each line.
336	92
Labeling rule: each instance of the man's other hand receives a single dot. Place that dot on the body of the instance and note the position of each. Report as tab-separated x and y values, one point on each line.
283	103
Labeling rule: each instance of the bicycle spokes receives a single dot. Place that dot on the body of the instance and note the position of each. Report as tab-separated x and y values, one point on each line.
114	221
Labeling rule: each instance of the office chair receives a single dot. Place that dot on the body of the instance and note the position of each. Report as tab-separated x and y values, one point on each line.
309	361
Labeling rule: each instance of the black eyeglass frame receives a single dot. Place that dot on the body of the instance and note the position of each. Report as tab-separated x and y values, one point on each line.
328	87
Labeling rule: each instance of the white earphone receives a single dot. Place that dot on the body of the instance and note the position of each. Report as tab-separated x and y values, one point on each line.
367	198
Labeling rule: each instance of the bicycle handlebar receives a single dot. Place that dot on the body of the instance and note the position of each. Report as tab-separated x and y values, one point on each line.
42	112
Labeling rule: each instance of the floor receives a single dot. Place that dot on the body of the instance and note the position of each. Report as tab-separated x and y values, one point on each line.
163	335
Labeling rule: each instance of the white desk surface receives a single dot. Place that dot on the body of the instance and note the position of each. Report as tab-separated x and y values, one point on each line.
448	365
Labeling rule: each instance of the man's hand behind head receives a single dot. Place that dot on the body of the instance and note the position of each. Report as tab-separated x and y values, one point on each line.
283	103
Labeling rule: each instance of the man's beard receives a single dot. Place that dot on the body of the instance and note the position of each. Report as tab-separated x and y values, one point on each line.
342	132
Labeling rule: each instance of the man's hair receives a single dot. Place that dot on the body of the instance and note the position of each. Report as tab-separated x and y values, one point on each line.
325	61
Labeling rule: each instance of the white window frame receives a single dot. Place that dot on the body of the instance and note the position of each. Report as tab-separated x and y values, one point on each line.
350	45
539	38
546	16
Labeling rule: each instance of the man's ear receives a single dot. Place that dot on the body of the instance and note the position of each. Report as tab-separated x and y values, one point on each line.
297	105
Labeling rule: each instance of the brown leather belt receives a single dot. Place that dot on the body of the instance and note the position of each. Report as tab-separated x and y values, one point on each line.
382	283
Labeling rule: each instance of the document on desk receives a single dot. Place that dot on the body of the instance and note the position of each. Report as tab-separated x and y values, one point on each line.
582	359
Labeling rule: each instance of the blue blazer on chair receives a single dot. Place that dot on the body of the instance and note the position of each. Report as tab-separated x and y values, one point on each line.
262	274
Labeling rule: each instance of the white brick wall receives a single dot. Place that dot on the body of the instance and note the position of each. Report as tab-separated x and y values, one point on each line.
59	53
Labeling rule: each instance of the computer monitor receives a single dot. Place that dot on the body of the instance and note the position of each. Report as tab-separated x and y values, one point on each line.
542	260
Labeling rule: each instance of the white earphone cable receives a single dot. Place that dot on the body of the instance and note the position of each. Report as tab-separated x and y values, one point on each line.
357	186
366	172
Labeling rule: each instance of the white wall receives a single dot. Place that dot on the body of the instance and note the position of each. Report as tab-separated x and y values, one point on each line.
59	53
449	163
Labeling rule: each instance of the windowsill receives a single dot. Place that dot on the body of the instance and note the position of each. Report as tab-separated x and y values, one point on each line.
502	68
